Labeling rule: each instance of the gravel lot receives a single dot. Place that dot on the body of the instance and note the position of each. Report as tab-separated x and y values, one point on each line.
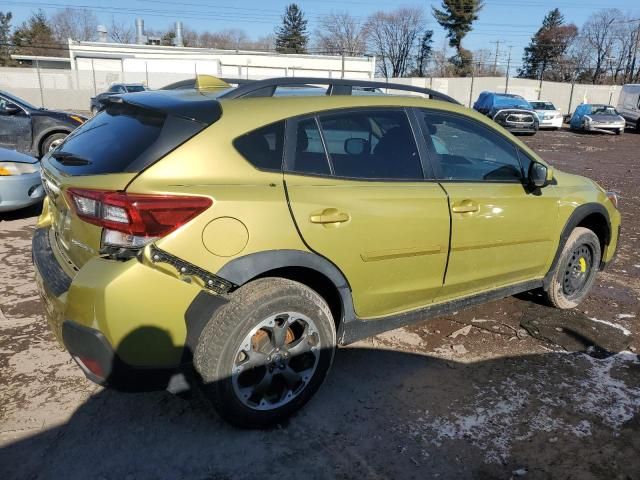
493	402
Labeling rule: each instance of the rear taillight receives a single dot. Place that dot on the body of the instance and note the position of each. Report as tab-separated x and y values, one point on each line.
133	220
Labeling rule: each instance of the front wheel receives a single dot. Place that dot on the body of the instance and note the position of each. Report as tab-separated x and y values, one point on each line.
265	353
52	142
576	269
620	131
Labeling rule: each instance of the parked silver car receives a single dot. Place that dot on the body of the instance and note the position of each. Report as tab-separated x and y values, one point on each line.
597	118
20	184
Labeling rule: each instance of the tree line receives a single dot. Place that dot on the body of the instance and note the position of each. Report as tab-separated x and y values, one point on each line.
604	50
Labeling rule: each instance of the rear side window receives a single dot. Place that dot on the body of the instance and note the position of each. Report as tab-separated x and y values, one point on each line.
263	147
123	138
309	155
371	144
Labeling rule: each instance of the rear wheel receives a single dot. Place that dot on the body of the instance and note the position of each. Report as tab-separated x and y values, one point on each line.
52	142
620	131
576	269
265	353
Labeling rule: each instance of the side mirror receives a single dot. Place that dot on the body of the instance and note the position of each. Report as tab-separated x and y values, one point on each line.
355	146
538	175
10	109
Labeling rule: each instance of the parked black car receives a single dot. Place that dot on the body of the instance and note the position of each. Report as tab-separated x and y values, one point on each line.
33	130
115	89
510	111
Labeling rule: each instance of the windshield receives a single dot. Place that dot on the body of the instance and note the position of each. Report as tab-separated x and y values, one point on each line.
542	105
603	110
19	101
511	102
135	88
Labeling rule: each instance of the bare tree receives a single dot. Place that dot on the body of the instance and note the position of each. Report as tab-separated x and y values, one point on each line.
74	23
232	39
483	64
600	34
265	43
190	37
393	37
121	32
340	33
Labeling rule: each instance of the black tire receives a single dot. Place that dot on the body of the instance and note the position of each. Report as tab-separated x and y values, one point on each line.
51	140
572	279
223	343
620	131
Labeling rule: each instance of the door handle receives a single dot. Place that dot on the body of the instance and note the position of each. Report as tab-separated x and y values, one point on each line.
329	215
466	206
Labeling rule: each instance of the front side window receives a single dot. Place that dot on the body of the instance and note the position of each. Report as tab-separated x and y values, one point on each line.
466	150
9	108
371	144
263	147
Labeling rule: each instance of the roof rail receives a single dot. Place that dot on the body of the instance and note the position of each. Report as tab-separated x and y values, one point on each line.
337	86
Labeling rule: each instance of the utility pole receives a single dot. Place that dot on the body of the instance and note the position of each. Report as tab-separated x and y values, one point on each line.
506	84
495	60
473	74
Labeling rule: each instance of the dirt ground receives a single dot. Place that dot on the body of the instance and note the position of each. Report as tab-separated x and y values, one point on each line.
493	402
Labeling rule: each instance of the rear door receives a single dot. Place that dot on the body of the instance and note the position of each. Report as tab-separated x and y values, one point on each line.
359	198
501	232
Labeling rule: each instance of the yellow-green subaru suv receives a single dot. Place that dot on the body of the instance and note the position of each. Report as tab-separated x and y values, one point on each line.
246	232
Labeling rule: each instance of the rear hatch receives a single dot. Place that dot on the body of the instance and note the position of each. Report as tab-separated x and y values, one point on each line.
101	158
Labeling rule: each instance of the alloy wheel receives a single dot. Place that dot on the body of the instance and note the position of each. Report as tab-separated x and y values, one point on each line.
276	361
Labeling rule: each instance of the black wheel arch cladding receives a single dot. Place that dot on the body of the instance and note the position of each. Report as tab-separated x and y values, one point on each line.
577	217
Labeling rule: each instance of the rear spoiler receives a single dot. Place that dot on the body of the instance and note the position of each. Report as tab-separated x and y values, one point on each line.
192	105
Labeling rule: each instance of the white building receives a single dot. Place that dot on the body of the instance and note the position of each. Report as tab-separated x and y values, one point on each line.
153	59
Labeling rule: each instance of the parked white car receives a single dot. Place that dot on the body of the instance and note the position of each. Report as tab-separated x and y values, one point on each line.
629	105
548	114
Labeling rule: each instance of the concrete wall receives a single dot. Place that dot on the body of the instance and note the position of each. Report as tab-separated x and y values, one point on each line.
71	90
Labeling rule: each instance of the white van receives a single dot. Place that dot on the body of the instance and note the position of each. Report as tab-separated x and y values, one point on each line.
629	105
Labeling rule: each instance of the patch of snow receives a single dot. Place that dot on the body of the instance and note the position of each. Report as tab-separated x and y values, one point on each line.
463	331
620	316
501	412
614	325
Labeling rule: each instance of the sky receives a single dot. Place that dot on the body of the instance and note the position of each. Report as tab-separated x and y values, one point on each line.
512	23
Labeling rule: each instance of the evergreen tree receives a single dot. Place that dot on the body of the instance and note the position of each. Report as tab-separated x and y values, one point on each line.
292	36
424	53
457	17
5	39
35	37
547	46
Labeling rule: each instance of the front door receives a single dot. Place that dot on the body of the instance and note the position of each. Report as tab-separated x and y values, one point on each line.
359	198
501	231
15	127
